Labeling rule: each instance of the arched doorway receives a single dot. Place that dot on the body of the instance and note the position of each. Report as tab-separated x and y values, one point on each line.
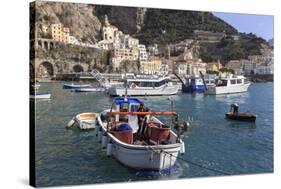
45	69
78	68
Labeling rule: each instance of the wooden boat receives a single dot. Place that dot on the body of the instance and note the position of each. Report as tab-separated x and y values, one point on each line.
241	116
73	86
84	120
40	96
90	89
149	146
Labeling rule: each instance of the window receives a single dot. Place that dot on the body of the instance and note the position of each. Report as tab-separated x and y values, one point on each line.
239	81
233	81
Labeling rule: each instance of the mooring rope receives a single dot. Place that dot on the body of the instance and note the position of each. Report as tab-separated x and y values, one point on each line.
190	162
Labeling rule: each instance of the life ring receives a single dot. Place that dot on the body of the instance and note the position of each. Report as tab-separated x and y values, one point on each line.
133	85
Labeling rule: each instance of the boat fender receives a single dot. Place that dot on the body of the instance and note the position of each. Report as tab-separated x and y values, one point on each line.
104	141
109	149
182	148
99	135
71	122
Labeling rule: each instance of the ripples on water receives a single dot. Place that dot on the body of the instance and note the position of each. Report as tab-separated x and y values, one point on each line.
70	157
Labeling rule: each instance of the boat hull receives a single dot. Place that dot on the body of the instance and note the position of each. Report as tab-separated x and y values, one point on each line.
144	157
41	96
86	120
66	86
241	117
90	90
144	91
215	90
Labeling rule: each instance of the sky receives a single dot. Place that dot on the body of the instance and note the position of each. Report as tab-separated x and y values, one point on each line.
261	25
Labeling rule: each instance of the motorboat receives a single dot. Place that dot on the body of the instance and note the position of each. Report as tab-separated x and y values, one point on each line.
74	86
228	85
142	145
40	95
144	86
86	120
90	89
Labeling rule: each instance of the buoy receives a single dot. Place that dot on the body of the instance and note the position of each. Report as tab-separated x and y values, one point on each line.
97	128
109	148
99	135
71	122
104	141
182	149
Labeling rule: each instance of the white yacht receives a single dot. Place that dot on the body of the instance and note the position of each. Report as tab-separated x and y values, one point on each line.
230	84
142	85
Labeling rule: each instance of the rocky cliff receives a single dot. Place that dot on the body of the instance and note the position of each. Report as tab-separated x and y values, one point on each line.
79	18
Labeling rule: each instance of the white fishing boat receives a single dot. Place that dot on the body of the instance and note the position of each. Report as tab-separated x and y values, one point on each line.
40	96
228	85
90	89
84	120
145	145
145	86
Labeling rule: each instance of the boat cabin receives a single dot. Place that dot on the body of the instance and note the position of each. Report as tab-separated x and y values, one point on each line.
235	80
148	82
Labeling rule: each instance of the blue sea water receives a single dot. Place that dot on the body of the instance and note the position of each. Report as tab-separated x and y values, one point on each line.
71	157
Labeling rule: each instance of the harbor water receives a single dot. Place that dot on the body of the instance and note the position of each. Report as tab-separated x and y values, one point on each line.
71	156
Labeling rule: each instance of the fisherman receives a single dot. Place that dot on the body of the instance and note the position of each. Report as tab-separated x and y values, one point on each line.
141	118
235	108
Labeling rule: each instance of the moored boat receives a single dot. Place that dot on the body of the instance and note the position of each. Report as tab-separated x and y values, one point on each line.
73	86
144	86
90	89
85	120
228	85
143	145
40	96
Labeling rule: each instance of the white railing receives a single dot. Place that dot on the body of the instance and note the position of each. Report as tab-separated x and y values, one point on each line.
98	76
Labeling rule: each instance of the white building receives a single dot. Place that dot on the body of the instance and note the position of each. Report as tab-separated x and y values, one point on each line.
164	69
153	50
142	52
181	68
129	41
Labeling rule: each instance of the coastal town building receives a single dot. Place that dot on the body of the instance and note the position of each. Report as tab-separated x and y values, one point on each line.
129	41
153	50
142	52
181	68
110	32
59	33
153	66
214	66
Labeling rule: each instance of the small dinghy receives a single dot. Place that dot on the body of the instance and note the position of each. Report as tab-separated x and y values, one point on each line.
40	96
235	115
90	89
73	86
84	120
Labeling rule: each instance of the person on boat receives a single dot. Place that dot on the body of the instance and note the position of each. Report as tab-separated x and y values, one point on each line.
235	108
141	118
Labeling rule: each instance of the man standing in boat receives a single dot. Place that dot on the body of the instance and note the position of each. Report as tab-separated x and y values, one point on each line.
141	118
